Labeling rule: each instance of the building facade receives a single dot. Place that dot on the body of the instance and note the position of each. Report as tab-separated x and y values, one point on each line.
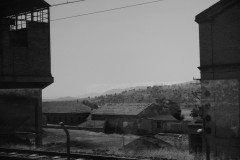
220	74
136	118
67	118
24	65
159	124
68	112
25	44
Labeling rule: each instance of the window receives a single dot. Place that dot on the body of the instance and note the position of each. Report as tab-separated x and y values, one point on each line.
20	20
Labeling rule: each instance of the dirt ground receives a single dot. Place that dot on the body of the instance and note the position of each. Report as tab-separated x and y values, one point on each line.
158	146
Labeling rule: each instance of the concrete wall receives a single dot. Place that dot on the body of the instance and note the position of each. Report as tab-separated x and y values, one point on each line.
219	39
220	100
205	36
220	74
226	37
39	49
20	111
31	58
219	45
25	54
24	63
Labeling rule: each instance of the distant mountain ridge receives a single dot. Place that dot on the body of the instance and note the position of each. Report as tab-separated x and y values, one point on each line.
179	92
92	95
120	90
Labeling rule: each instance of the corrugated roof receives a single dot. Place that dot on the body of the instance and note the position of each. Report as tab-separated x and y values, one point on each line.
164	117
215	10
65	107
121	109
11	7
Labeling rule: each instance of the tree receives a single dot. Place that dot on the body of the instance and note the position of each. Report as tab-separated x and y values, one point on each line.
171	107
90	104
196	112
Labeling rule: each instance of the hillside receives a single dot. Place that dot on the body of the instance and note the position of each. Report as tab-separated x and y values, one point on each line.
120	90
179	93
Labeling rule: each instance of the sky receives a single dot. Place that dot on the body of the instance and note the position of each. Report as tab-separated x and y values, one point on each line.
150	44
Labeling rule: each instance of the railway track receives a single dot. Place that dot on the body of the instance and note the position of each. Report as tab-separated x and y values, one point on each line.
21	154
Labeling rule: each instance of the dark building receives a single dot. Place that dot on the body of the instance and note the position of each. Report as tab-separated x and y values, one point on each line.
24	65
68	118
125	111
25	44
219	41
68	112
220	73
131	117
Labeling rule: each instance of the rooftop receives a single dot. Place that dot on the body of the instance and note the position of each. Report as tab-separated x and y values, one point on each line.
65	107
122	109
215	10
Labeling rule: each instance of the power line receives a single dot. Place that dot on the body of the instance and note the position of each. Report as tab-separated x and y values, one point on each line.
108	10
59	4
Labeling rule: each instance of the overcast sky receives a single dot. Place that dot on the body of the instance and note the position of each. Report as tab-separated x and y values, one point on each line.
144	45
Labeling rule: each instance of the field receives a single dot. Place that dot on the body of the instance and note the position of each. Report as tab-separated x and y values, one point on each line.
160	146
84	141
100	143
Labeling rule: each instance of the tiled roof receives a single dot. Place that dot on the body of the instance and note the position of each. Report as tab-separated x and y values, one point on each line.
215	10
166	117
121	109
65	107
